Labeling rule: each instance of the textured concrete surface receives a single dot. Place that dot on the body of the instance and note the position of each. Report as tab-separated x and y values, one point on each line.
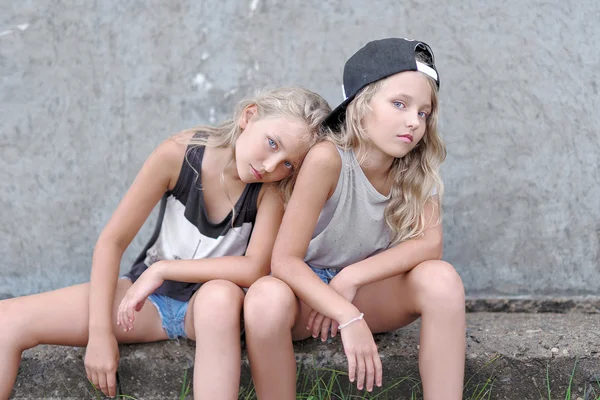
88	89
518	352
587	305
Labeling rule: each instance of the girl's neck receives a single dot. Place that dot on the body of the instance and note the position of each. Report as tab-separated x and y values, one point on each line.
376	166
222	160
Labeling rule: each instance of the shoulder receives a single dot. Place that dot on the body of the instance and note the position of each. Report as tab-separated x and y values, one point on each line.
269	194
323	155
168	157
323	161
172	151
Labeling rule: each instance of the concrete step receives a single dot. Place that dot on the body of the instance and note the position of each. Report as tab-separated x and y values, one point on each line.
518	355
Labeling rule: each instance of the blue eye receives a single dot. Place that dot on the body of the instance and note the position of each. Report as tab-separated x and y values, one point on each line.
399	104
288	165
423	114
272	143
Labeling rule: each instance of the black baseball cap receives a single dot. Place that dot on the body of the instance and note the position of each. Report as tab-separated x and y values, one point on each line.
377	60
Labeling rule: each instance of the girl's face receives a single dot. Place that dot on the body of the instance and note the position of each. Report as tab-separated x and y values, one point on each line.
399	110
269	149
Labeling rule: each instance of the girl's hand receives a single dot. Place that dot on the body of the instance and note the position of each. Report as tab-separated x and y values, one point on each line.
136	296
364	363
320	324
101	362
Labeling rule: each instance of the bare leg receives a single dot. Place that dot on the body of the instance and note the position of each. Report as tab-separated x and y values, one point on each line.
270	312
61	317
213	321
434	291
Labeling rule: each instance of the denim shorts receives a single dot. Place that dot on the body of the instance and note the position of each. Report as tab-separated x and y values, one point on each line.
326	274
172	313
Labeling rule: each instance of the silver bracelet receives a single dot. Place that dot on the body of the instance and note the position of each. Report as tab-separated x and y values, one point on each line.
351	321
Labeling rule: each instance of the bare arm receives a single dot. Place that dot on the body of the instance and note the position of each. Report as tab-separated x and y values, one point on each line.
323	162
159	173
310	194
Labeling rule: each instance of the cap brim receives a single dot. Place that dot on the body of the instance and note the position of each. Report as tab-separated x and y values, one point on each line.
338	115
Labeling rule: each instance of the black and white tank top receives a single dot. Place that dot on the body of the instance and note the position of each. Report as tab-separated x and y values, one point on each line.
183	230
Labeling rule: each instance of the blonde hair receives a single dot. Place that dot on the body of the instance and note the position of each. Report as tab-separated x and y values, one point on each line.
291	101
414	176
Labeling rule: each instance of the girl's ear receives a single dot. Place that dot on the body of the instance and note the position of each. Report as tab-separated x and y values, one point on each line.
248	113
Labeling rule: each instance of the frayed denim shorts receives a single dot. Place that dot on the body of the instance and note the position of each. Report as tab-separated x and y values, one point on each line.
326	274
172	314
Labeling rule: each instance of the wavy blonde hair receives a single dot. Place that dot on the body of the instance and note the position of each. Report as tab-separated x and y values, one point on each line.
290	101
414	176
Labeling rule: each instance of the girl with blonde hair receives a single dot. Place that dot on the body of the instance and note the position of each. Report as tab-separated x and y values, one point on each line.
223	190
359	249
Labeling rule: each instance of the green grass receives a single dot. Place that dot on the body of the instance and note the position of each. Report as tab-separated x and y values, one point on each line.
186	386
568	394
473	390
592	393
330	384
591	389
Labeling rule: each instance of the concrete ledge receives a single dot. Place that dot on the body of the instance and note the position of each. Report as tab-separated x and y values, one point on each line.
517	351
584	304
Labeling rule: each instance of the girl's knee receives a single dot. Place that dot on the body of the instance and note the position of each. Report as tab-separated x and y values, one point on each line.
217	300
438	283
269	301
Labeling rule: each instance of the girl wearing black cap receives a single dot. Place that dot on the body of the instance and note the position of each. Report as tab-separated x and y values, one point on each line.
360	244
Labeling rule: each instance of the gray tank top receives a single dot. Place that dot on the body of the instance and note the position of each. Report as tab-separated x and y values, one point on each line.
351	226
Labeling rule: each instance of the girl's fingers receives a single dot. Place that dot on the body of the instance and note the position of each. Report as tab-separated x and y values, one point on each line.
378	370
102	383
360	372
370	368
311	319
123	316
334	328
111	383
119	316
325	329
316	329
130	317
351	366
94	380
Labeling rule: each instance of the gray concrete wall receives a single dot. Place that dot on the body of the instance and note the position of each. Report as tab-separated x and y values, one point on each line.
89	88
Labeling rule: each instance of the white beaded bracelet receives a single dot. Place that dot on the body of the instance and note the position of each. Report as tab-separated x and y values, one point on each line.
351	321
